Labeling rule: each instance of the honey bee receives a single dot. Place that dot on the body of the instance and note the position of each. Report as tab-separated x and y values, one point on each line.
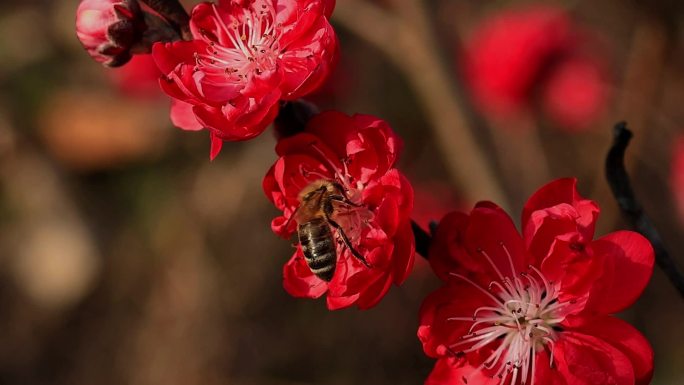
318	204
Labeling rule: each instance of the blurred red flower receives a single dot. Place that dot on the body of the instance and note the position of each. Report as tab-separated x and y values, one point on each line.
432	200
359	153
246	56
139	78
535	309
520	55
677	174
108	29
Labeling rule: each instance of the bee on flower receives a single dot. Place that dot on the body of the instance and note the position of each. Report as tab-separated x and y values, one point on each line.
349	162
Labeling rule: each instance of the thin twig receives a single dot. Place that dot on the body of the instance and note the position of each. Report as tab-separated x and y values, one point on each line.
293	117
412	48
422	238
631	208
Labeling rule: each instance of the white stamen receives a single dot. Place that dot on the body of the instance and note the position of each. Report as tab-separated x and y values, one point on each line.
252	45
521	319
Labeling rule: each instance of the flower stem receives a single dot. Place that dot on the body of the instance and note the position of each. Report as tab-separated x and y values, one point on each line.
422	238
293	117
174	13
631	208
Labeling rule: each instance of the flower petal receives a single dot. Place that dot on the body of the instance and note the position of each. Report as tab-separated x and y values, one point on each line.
436	330
491	238
182	116
587	360
628	265
563	191
216	145
449	371
627	339
446	249
299	281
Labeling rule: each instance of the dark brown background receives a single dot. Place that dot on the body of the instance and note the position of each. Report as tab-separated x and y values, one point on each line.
126	257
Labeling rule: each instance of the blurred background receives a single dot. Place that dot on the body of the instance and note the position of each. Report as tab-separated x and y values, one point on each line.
127	257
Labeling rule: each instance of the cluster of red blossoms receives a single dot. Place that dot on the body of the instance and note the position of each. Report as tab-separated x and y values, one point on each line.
537	58
514	309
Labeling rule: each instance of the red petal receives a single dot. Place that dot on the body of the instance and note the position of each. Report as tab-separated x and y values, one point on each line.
298	279
374	293
289	173
627	339
454	299
387	216
448	371
628	259
216	144
545	226
586	360
169	55
333	128
446	249
575	269
563	191
403	257
182	116
491	238
308	61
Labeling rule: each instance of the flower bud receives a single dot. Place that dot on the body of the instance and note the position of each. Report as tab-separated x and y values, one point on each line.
108	29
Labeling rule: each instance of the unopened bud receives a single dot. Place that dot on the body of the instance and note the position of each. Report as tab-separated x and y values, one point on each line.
108	29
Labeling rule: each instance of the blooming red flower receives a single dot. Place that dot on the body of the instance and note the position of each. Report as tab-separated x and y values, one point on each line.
108	29
519	55
246	56
359	153
535	309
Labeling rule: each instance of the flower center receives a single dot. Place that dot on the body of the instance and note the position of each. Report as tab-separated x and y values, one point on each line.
253	47
353	217
521	320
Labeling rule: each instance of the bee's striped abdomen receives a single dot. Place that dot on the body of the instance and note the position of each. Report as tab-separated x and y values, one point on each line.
319	248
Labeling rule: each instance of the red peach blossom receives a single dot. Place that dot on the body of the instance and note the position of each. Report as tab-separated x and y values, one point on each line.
245	57
359	153
536	308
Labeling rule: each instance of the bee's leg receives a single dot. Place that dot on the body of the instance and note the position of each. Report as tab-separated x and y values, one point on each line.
343	199
292	216
342	196
346	241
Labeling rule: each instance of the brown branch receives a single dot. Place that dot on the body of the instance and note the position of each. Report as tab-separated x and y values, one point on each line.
620	184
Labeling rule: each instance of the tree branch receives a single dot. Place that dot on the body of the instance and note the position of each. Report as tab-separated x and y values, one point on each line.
631	208
422	238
